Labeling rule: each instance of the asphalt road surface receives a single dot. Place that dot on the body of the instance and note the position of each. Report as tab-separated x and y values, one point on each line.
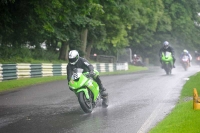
137	102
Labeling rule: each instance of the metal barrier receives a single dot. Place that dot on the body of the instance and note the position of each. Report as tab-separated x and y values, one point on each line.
27	70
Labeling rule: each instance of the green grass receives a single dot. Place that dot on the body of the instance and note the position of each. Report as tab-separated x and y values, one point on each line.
183	118
193	82
11	85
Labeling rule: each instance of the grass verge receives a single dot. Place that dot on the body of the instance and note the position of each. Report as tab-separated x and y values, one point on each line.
183	118
11	85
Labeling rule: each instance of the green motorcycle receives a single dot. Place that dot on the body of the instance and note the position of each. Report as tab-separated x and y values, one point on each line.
167	61
87	90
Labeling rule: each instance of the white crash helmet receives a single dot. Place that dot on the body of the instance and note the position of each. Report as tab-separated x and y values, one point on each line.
185	51
166	44
73	57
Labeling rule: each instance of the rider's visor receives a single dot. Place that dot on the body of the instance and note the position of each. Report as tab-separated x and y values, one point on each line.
73	60
166	46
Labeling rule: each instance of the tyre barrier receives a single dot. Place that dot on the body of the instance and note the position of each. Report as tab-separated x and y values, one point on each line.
27	70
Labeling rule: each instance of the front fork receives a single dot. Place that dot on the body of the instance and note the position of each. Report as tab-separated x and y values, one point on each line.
85	90
168	64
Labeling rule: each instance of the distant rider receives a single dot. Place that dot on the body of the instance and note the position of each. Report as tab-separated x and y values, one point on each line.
75	61
197	57
196	54
186	53
137	60
166	48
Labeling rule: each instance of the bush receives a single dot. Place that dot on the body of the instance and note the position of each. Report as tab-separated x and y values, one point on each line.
44	55
25	55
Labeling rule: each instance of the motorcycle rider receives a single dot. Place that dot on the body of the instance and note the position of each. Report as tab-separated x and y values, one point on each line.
196	54
166	48
75	61
197	57
186	53
137	60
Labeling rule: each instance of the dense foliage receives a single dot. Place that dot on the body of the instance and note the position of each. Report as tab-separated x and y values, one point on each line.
100	26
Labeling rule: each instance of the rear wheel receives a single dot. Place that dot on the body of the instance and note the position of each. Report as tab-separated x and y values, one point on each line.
86	104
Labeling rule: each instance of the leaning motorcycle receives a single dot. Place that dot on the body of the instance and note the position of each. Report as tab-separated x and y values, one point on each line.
185	62
167	61
86	90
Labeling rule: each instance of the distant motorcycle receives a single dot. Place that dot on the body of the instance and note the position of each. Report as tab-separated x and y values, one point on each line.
185	62
198	60
137	62
167	61
87	91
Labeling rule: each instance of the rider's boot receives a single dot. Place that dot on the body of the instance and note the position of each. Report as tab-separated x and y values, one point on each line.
104	96
174	63
102	90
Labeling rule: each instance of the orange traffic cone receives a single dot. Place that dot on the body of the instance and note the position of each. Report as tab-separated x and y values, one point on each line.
196	99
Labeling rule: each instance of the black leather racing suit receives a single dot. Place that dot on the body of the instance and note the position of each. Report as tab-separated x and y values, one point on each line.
87	67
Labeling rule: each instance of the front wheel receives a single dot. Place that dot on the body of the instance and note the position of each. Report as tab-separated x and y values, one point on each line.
86	104
168	69
185	65
105	102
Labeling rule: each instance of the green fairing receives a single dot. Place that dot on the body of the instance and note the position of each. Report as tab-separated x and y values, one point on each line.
78	84
167	58
85	91
83	81
93	86
96	73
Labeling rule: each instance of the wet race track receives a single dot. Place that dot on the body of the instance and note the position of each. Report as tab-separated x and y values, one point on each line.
137	102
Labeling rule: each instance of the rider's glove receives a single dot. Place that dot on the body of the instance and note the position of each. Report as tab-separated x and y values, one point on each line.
92	74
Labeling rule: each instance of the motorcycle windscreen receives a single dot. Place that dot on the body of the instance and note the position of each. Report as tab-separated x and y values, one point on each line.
167	57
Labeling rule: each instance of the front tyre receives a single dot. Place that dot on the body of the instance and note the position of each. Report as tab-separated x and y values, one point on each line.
185	67
168	69
86	104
